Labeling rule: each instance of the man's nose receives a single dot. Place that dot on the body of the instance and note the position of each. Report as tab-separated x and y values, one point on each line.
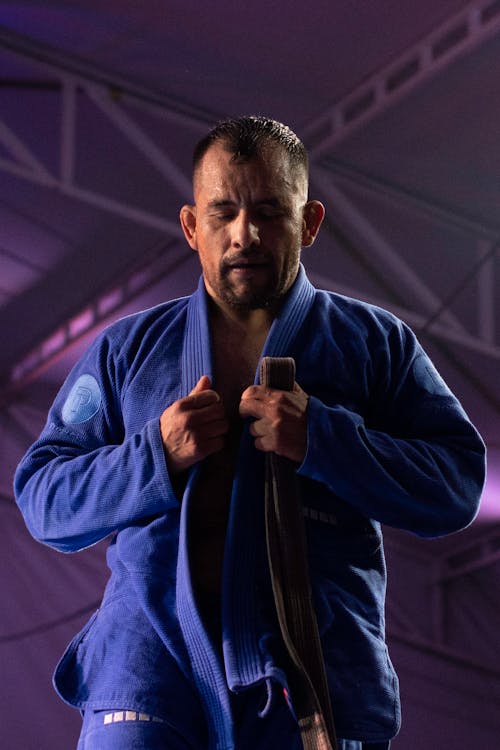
245	231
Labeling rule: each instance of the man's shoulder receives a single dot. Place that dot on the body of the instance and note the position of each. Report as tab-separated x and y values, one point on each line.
164	314
144	327
353	311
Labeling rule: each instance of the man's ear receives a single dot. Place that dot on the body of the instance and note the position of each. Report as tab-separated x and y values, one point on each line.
314	212
187	218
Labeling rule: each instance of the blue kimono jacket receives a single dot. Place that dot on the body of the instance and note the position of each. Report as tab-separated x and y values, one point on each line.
387	443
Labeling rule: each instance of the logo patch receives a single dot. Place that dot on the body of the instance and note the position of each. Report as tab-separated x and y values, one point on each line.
83	401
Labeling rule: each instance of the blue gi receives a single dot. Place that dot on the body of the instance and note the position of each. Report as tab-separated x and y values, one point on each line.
387	443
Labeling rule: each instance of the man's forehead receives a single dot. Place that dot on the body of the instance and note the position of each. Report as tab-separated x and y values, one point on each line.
219	168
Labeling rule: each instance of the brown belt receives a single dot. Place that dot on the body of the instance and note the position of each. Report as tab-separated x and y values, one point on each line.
287	556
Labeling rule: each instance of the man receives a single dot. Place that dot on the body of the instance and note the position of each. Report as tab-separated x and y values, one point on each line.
158	438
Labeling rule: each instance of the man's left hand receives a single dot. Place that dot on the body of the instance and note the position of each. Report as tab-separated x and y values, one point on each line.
280	419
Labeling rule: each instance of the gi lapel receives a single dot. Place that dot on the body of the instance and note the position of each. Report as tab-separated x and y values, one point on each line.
245	554
196	352
207	673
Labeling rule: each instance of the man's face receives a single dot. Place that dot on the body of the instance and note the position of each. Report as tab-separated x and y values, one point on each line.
248	224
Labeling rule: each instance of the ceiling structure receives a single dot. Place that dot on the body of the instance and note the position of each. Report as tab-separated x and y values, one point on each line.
100	106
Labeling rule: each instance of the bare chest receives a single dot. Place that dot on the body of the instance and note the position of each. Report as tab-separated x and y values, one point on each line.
235	358
235	363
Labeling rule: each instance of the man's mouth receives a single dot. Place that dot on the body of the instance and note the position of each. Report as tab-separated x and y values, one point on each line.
246	265
247	271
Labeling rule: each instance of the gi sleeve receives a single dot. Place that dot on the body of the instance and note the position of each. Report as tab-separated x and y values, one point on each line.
86	477
411	459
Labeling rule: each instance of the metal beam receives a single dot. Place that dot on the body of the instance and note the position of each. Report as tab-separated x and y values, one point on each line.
400	619
12	426
156	156
420	203
429	626
68	131
471	558
449	41
486	290
379	247
21	153
485	236
93	198
429	648
75	78
29	167
8	501
83	72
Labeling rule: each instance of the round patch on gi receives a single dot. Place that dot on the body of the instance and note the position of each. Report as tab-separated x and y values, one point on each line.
83	401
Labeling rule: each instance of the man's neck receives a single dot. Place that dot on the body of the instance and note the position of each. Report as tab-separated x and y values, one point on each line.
248	323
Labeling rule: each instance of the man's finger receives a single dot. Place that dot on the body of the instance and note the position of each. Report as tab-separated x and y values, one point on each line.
201	395
259	428
252	407
258	392
255	401
203	384
199	400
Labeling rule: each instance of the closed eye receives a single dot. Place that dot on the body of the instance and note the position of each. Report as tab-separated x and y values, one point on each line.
270	213
270	209
224	216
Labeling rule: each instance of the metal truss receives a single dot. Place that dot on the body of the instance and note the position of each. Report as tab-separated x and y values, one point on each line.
26	164
435	319
486	236
430	634
471	557
71	81
452	656
454	38
384	253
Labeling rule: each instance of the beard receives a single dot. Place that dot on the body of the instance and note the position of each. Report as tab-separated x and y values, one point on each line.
252	295
250	298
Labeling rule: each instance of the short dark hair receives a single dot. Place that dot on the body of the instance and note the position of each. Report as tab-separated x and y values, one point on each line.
245	137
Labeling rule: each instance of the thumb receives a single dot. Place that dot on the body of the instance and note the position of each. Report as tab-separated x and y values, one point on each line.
203	384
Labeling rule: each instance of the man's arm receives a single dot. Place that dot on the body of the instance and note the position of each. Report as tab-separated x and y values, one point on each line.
422	471
74	491
429	484
86	477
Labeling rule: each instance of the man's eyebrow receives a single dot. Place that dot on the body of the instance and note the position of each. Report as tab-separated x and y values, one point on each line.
228	203
271	201
223	203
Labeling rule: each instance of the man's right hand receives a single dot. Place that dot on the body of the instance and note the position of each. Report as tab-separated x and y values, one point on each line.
193	427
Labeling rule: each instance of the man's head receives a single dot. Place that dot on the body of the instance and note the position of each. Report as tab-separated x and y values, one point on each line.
247	137
251	214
